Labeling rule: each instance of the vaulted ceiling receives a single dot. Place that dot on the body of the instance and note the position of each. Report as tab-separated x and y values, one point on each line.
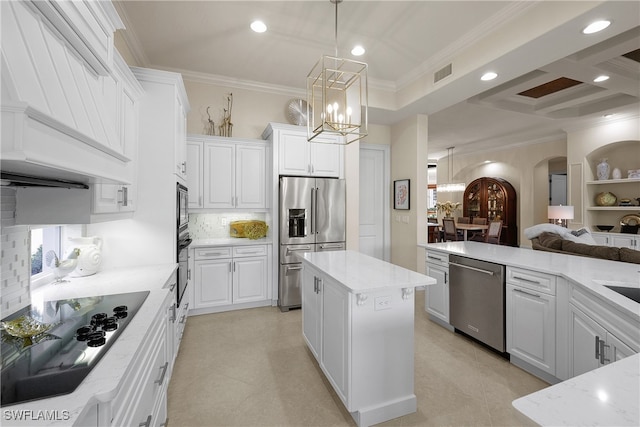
545	65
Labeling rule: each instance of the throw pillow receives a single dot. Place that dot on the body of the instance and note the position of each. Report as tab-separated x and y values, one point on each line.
580	236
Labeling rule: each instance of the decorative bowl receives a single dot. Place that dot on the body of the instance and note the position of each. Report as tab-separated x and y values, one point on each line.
606	199
604	227
25	327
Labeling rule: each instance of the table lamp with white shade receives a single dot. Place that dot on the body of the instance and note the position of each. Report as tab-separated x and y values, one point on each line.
560	214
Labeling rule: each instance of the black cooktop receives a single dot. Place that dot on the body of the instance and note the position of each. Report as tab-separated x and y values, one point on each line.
57	361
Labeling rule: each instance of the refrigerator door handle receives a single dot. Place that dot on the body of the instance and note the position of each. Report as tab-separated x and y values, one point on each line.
313	210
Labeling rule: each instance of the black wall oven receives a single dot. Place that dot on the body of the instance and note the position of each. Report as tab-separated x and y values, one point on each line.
183	239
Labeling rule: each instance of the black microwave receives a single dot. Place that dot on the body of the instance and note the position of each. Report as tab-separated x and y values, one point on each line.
182	207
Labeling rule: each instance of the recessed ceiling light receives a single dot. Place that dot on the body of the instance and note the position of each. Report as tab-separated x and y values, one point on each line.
594	27
258	26
488	76
601	78
357	50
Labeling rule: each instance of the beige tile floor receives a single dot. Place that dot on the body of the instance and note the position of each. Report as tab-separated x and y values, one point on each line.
252	368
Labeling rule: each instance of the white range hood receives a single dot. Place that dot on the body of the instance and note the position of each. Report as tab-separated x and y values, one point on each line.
68	98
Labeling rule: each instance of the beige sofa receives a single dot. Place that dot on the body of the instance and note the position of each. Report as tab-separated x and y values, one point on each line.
552	242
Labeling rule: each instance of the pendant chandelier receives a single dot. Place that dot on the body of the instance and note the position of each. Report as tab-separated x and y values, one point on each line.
337	97
450	187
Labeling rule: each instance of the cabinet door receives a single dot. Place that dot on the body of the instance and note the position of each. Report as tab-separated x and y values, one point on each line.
617	350
311	306
219	175
181	140
436	301
583	332
335	335
325	159
601	239
213	283
112	198
194	174
249	279
624	241
531	325
251	176
293	149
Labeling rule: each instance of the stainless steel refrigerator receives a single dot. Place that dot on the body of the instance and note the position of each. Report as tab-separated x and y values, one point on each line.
312	219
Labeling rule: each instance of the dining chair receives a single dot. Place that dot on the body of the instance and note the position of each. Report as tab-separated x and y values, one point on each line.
478	236
450	230
493	232
464	220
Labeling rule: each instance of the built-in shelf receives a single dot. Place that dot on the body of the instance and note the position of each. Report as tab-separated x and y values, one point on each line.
613	208
615	181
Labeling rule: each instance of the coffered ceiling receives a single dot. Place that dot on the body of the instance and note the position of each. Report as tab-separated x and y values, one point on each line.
545	65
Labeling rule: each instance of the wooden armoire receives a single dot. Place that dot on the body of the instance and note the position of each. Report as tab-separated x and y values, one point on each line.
494	199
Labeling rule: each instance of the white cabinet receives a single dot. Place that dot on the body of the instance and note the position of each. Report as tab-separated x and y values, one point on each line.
531	318
228	173
620	240
194	174
228	278
437	296
299	157
311	309
180	156
113	198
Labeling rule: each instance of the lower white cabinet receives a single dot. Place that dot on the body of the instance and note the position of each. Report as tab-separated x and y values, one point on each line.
531	318
620	240
437	296
592	345
140	398
228	278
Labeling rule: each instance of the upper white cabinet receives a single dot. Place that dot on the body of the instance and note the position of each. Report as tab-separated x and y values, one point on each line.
299	157
231	172
66	99
194	174
181	140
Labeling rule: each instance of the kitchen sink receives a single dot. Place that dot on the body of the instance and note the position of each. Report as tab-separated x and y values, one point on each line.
631	293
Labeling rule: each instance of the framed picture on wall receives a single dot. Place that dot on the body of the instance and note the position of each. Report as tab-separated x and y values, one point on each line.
401	194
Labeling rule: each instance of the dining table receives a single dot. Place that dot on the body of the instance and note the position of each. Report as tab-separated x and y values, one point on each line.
470	227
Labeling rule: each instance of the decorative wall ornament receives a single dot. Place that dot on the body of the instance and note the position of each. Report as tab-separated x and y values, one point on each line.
226	128
210	128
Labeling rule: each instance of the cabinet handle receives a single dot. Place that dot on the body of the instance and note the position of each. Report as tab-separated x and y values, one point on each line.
445	277
602	358
146	423
597	347
315	285
160	380
524	279
183	318
189	274
184	167
526	293
125	196
435	257
172	287
173	311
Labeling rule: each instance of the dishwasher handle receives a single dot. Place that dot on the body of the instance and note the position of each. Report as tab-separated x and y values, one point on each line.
480	270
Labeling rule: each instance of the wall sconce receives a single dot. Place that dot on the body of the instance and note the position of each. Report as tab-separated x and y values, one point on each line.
559	214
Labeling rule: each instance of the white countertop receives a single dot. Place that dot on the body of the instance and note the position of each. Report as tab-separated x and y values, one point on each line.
230	241
103	382
606	396
359	273
591	273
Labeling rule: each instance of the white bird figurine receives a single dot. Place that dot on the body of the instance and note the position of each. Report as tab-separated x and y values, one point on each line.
64	267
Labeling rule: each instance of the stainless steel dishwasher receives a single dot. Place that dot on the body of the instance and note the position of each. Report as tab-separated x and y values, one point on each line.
477	299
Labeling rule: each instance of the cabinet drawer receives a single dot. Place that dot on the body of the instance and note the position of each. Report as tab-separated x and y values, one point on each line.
243	251
535	280
213	253
438	258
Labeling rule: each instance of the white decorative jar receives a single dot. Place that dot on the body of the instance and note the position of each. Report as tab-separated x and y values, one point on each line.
603	169
90	256
616	174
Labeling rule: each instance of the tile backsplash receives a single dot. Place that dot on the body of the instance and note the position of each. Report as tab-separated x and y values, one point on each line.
216	226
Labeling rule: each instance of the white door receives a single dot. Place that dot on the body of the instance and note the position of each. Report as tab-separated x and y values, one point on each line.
374	200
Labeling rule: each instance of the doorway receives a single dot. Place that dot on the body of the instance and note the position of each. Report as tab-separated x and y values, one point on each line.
374	200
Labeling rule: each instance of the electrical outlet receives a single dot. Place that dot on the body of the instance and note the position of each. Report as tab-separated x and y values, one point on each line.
382	303
223	221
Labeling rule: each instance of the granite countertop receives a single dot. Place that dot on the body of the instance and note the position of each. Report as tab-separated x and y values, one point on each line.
590	273
607	396
360	273
230	241
103	382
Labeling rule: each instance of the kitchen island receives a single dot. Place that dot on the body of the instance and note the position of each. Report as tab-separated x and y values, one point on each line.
358	322
558	306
